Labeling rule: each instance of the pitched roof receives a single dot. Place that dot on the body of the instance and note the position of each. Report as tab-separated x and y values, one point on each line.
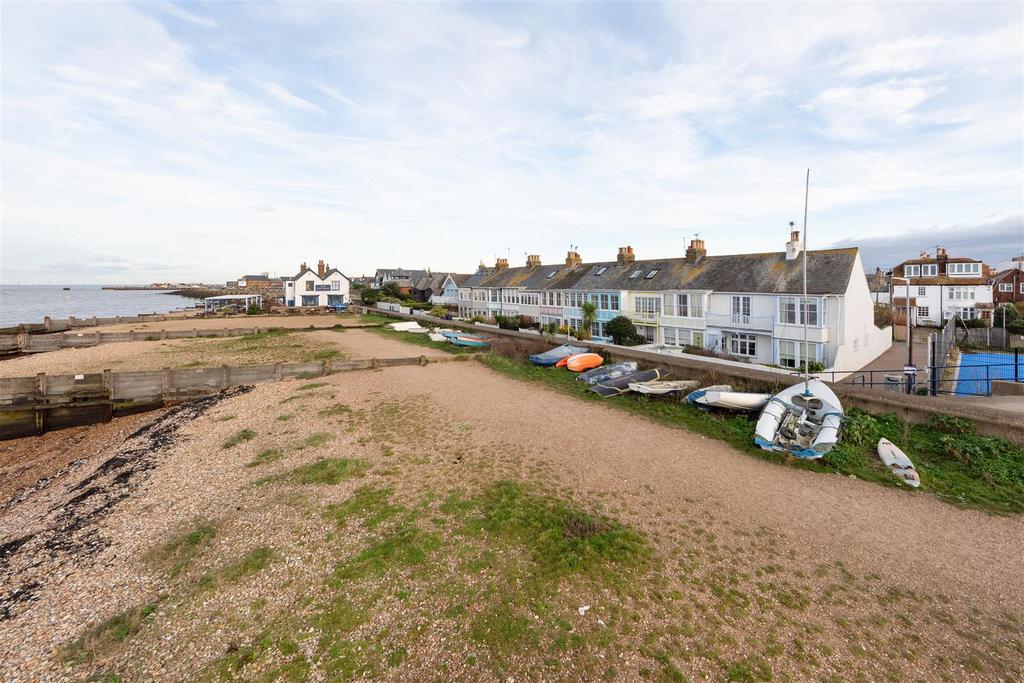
310	270
254	277
828	272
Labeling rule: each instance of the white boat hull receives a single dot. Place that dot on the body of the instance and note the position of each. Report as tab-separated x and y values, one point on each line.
660	388
722	396
803	425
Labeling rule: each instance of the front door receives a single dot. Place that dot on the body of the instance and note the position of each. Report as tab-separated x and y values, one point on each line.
698	340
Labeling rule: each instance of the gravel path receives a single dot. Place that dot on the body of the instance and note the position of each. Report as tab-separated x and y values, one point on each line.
646	474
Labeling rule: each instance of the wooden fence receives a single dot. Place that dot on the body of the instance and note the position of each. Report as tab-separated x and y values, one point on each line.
33	405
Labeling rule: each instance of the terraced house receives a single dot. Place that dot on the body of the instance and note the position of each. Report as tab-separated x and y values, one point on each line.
942	286
746	305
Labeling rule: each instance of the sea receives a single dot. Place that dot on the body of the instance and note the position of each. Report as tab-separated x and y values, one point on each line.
31	303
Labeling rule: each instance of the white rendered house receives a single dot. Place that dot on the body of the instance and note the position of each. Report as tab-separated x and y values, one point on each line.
325	286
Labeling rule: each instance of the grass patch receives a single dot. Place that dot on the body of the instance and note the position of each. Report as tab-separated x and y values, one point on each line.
100	640
955	463
265	456
334	411
239	437
323	471
226	418
368	502
317	439
311	385
256	560
178	553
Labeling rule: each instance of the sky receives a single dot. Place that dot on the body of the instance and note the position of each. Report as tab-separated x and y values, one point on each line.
206	140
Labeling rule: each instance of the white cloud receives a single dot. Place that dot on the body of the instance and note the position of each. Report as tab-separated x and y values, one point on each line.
283	95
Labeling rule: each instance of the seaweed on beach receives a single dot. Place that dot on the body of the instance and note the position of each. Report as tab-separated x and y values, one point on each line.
71	528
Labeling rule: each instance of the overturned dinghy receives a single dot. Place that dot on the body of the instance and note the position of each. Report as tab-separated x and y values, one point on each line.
803	420
468	340
662	387
620	385
437	337
556	354
409	326
722	396
608	372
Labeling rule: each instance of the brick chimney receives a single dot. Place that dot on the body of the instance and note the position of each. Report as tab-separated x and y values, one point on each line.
533	261
303	268
501	264
625	256
321	269
941	257
572	258
696	251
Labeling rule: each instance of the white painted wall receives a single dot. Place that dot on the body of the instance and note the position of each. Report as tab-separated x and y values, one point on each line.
860	342
294	291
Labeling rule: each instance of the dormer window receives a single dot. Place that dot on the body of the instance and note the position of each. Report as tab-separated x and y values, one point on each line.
635	274
929	270
600	271
652	274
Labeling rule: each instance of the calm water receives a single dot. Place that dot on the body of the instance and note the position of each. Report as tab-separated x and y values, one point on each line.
30	303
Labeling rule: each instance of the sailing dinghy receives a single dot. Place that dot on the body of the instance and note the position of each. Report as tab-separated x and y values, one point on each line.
620	385
662	387
802	420
608	372
722	396
556	354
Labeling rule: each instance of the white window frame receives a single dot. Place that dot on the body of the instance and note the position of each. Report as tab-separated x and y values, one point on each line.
813	308
647	306
929	270
961	293
1006	287
922	311
963	269
911	271
740	308
676	336
790	355
743	345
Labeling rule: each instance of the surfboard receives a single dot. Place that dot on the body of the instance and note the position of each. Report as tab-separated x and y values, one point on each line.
898	463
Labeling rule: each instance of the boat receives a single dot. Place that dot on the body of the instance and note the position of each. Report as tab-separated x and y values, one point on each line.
608	372
437	337
898	463
556	354
467	340
583	361
662	387
803	420
408	326
722	396
620	385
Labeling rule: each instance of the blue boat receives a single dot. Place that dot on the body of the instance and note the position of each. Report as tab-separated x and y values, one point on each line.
607	372
556	354
466	340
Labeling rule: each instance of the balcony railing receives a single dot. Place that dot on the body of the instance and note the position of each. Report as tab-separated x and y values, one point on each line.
742	322
644	315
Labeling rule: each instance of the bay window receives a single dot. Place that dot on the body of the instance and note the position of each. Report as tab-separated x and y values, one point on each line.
792	313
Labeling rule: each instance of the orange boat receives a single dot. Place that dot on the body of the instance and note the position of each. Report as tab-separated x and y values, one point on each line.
583	361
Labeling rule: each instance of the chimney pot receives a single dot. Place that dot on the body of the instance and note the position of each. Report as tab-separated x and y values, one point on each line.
572	258
501	264
626	255
533	261
696	251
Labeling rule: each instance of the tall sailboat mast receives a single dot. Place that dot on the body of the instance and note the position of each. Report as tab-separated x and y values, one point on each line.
807	373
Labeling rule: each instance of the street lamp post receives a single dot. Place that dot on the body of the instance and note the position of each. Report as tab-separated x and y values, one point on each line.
910	346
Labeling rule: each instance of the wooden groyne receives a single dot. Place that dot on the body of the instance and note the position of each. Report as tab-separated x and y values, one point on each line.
33	405
66	325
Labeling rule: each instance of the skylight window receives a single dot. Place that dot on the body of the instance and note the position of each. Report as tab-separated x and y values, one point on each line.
652	274
552	274
635	274
600	271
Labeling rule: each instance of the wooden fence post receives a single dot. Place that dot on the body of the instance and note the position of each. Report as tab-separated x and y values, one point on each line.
60	340
277	372
22	340
165	383
373	363
131	335
99	338
423	360
108	386
46	323
40	411
163	333
323	368
195	333
225	376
